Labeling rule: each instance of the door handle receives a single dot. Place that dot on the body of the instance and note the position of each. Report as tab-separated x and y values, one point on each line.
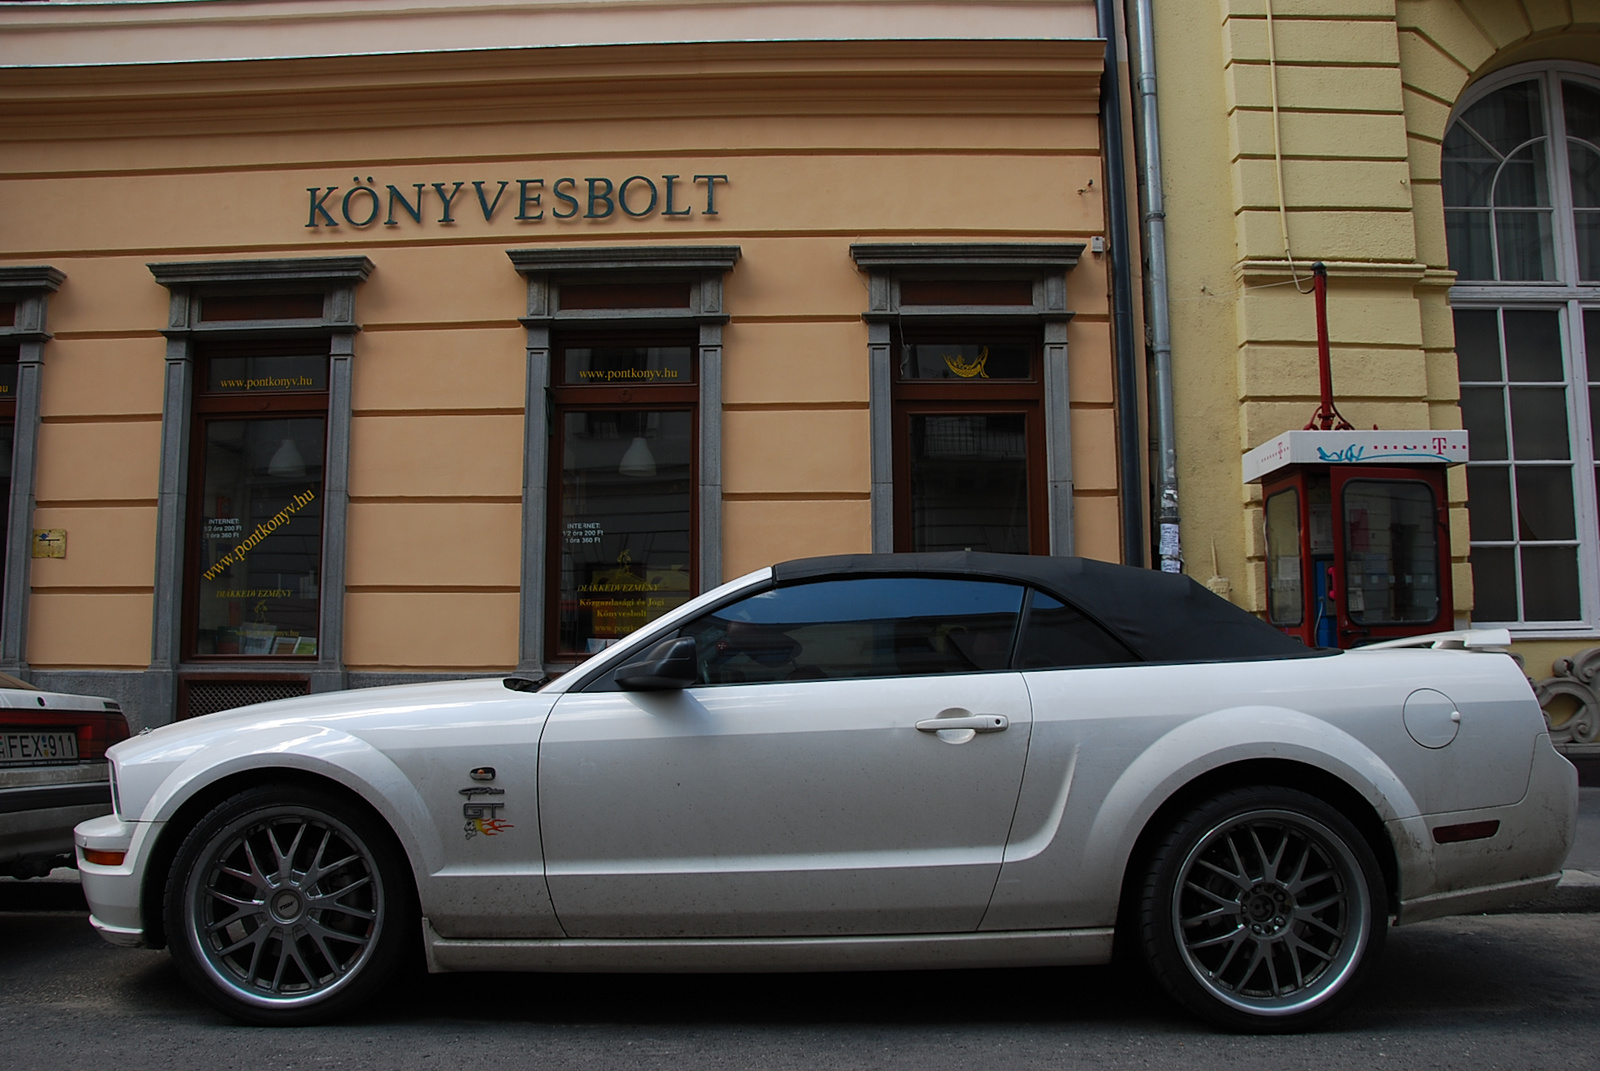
978	723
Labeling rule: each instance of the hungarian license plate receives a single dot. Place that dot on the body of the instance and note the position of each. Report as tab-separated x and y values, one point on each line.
29	747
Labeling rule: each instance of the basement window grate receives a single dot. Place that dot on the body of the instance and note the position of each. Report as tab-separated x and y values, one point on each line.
208	697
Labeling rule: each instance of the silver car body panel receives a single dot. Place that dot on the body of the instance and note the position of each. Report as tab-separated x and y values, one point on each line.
1151	729
781	809
1049	948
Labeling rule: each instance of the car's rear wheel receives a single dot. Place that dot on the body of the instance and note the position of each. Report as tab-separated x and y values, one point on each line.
1261	910
287	905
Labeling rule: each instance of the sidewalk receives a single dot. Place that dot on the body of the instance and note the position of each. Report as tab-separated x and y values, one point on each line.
1580	881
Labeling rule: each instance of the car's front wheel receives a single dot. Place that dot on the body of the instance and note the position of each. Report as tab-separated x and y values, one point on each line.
287	905
1261	909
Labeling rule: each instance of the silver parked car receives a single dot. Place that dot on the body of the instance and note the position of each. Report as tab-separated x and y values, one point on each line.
860	762
53	772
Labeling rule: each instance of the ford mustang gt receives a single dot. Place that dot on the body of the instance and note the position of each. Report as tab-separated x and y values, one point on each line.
850	763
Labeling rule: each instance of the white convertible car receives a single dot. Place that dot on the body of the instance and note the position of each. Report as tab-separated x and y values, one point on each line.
861	762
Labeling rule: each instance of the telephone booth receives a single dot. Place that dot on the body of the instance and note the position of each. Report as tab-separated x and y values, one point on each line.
1357	533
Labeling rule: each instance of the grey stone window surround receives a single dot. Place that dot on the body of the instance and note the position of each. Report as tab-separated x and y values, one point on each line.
30	288
546	269
1046	264
336	278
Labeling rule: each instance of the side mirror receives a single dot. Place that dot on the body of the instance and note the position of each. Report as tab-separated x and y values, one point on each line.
669	664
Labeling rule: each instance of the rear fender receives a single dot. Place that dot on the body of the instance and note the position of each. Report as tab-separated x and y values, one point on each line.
1220	739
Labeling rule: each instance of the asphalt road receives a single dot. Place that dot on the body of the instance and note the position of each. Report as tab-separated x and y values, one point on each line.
1478	993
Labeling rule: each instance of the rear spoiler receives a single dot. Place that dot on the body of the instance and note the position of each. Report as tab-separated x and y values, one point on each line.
1467	639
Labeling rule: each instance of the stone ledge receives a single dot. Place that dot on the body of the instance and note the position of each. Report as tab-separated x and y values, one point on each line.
1259	271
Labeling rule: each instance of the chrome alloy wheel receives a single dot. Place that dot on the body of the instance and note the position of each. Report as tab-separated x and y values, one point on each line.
284	906
1271	912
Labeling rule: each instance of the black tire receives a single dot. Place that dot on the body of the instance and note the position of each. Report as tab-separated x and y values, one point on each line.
288	905
1262	909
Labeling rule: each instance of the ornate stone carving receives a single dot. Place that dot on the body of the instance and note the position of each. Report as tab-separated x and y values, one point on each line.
1573	677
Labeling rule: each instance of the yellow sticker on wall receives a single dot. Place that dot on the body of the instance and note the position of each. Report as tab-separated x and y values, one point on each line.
49	542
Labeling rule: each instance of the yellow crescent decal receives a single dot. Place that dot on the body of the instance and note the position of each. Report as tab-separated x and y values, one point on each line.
966	370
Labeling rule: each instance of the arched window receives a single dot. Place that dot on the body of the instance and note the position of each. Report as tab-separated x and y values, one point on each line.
1521	172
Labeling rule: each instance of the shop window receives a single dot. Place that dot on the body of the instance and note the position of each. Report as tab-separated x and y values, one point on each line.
970	403
622	505
1521	169
969	443
260	438
254	477
623	482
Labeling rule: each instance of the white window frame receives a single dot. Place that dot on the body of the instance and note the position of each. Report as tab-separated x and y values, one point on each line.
1570	297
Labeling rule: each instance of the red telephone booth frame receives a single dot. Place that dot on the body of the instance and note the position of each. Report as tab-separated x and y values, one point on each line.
1349	632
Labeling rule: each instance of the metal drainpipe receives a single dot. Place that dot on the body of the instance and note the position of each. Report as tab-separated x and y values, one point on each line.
1129	475
1157	314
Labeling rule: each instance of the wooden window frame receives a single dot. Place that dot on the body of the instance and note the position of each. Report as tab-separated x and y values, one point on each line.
218	406
995	269
634	275
576	397
190	283
921	397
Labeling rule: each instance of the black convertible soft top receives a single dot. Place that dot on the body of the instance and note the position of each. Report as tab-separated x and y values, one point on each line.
1163	617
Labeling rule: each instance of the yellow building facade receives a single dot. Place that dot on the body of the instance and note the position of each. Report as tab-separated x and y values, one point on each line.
1436	156
340	329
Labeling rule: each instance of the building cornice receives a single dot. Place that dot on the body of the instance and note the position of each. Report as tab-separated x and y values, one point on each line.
76	34
600	83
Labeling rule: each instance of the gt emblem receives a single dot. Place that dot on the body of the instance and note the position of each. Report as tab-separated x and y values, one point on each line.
482	818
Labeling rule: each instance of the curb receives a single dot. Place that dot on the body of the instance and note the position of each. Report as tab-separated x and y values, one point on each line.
1577	893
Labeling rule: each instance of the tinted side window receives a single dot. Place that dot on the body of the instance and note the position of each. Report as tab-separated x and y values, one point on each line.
863	627
1058	637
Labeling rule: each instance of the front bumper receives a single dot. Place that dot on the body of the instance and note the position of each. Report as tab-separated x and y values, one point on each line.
1520	862
114	892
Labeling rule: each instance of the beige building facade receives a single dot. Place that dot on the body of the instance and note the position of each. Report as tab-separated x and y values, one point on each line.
1438	157
371	342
